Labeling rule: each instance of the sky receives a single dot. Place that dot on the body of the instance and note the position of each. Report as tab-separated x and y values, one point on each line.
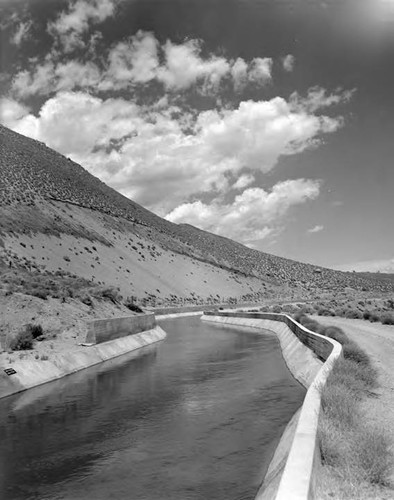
270	122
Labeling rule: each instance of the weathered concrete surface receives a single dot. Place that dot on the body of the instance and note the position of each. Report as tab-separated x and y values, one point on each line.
103	330
30	373
293	469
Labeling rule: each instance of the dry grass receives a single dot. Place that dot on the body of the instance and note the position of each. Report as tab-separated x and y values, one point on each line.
360	452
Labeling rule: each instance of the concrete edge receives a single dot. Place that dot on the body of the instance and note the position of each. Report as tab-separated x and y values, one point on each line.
179	315
301	459
32	373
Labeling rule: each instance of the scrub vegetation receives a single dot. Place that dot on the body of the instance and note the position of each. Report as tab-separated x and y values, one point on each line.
357	450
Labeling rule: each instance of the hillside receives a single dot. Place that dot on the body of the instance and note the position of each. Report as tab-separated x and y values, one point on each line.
58	218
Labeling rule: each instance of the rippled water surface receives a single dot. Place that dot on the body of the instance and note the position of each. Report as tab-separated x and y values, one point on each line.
194	417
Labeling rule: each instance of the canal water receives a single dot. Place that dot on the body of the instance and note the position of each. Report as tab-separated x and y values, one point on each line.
195	417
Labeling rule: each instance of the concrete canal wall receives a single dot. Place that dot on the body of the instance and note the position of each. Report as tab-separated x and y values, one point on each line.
310	357
103	330
33	372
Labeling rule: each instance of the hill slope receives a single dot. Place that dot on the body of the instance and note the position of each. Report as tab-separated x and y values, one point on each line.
56	217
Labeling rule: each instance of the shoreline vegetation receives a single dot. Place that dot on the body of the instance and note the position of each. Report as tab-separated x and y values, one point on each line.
356	453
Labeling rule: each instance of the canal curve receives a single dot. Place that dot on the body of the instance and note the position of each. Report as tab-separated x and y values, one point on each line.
197	416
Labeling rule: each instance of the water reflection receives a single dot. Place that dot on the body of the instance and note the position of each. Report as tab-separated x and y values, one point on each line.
196	416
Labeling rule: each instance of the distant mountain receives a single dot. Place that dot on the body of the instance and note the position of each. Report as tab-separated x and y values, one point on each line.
55	216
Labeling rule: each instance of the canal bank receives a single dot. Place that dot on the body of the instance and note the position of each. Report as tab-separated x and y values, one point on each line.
101	341
310	357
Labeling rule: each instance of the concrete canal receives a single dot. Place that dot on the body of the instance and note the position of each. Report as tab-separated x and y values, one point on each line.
194	417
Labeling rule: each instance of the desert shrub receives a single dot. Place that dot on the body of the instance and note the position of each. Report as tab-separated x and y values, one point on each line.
353	352
325	312
130	304
372	454
41	294
337	400
333	440
387	319
87	300
340	311
353	314
335	333
21	341
109	292
374	316
276	309
307	309
366	314
35	330
309	323
359	378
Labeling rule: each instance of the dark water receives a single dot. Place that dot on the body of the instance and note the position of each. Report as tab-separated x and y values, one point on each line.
194	417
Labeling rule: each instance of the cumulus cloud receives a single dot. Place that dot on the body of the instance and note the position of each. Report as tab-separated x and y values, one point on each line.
288	63
160	150
317	98
184	66
50	77
253	215
260	71
243	181
132	61
137	61
315	229
239	73
21	33
71	24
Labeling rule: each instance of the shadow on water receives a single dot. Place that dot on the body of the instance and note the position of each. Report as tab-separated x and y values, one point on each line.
196	416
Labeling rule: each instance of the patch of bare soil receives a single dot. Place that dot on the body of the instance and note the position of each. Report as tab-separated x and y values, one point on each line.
63	323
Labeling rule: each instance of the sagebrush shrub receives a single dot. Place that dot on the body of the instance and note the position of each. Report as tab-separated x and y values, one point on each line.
130	304
35	330
21	341
353	352
387	319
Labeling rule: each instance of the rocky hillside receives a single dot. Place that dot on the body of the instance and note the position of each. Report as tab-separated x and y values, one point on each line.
56	217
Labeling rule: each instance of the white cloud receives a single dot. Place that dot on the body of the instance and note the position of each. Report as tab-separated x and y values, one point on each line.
260	71
317	99
184	66
22	33
50	77
138	60
288	63
315	229
239	73
133	61
160	150
373	266
11	111
257	133
71	24
243	181
253	215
